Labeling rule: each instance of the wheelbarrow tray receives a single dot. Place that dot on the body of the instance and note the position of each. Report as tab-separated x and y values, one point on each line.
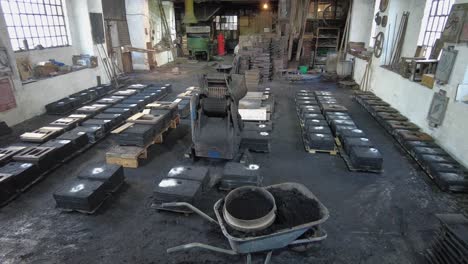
279	239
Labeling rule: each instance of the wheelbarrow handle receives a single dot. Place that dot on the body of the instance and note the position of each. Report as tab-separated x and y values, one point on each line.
193	208
201	245
311	239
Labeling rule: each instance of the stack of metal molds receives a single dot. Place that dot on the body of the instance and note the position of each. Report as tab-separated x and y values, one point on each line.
7	153
110	100
316	133
81	195
446	172
124	112
115	119
238	174
62	148
92	109
136	135
256	140
193	173
94	133
63	106
132	107
105	124
136	101
66	123
177	190
77	136
112	176
169	110
42	134
360	153
258	126
20	175
42	157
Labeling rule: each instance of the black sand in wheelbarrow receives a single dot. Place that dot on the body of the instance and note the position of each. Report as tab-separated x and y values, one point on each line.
293	209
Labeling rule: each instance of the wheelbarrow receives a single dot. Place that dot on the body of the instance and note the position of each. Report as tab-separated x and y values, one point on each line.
294	237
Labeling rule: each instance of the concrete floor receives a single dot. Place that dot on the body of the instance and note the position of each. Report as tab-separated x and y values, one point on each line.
374	218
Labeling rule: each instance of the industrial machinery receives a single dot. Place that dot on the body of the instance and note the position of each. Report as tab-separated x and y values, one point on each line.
198	41
216	123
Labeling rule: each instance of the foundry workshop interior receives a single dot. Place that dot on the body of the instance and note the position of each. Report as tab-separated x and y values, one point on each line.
243	131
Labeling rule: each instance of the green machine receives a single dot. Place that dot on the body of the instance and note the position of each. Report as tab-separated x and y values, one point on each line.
198	41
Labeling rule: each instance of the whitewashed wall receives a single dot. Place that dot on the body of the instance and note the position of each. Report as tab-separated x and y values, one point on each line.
361	21
139	26
412	99
142	17
31	98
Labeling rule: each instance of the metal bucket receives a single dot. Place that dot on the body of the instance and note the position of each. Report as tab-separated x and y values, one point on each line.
254	224
344	68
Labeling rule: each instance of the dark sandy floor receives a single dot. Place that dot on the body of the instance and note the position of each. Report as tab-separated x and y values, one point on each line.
374	218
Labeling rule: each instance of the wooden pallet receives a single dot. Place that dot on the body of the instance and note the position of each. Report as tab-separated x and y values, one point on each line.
332	152
129	156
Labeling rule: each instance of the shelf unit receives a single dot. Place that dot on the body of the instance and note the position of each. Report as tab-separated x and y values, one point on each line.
326	40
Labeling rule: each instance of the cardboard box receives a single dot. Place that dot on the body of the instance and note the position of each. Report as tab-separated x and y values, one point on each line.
428	80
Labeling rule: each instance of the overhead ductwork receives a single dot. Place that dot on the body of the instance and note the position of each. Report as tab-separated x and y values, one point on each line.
189	17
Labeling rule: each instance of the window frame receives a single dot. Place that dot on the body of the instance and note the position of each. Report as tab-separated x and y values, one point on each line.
40	22
433	23
231	23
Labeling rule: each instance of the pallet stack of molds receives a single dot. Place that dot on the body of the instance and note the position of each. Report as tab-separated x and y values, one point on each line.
446	172
316	134
140	132
359	153
182	184
451	242
90	189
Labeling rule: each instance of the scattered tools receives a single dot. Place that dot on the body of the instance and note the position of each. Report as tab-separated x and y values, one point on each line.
398	41
379	44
